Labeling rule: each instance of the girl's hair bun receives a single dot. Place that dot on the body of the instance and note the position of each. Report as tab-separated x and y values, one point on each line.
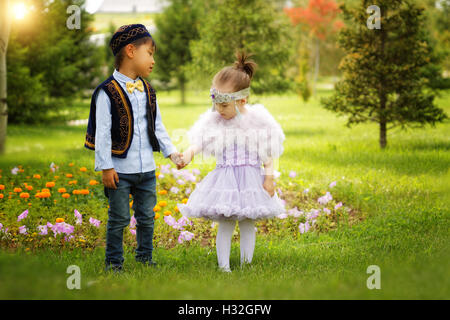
243	63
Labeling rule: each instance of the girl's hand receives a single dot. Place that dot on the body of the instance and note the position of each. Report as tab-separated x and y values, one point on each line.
187	157
268	185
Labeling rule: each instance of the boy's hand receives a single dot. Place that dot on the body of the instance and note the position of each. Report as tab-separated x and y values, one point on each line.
109	178
176	159
268	185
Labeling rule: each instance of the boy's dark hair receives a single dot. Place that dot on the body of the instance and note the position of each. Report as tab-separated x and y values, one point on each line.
137	43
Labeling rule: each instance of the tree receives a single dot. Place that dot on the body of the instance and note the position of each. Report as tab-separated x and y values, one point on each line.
176	28
321	18
251	25
48	63
382	79
5	27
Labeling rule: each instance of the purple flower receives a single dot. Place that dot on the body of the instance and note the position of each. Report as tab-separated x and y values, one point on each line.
196	171
1	226
174	190
43	230
292	174
170	220
326	210
165	168
23	230
133	231
133	222
338	206
94	222
23	215
185	236
332	184
325	199
304	227
282	216
78	216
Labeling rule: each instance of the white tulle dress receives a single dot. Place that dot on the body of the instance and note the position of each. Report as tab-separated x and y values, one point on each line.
234	189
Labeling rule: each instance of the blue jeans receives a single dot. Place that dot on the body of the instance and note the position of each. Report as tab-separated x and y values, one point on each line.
143	188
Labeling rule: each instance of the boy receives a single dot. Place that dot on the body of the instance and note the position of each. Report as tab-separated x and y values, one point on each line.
124	129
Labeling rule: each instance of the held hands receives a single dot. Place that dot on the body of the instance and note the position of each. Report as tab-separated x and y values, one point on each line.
179	159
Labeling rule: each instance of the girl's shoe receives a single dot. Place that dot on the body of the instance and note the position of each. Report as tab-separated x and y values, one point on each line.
224	269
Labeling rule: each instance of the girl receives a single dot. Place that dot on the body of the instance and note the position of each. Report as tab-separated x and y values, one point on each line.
241	137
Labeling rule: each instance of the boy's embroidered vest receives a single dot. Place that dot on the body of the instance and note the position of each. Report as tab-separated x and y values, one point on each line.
122	124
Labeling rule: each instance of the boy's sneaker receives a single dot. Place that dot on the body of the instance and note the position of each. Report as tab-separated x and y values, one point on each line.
116	268
148	263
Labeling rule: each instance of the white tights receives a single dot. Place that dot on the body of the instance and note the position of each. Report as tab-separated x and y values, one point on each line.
223	241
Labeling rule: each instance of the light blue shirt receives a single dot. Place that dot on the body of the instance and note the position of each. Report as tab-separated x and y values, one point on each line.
140	154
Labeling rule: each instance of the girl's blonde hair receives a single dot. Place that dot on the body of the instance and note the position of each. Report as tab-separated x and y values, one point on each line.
239	74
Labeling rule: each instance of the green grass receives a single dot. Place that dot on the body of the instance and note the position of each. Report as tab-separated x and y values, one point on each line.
402	193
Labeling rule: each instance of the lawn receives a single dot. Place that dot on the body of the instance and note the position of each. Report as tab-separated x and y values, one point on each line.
399	198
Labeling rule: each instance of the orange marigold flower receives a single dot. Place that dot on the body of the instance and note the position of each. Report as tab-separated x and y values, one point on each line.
93	182
71	164
29	188
37	176
45	194
69	175
65	195
62	190
21	170
162	203
17	189
59	220
76	191
156	215
2	187
83	169
162	192
24	195
84	191
131	203
176	209
167	213
156	208
50	184
73	182
157	174
1	195
45	190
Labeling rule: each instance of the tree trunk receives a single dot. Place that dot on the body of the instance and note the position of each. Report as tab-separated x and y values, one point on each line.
382	95
383	140
5	25
182	83
316	65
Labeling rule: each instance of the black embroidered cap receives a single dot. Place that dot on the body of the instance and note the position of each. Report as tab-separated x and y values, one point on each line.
127	34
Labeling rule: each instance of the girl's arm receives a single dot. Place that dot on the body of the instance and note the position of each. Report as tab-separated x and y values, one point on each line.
189	153
268	180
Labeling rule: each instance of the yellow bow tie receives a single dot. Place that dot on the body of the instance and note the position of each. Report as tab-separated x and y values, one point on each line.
136	85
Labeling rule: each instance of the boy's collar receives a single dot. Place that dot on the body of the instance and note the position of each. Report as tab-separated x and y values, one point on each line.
121	77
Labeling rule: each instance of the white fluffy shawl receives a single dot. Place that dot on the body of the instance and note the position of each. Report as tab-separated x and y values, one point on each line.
257	129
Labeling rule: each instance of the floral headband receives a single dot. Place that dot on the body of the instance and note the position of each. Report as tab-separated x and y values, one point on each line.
218	97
